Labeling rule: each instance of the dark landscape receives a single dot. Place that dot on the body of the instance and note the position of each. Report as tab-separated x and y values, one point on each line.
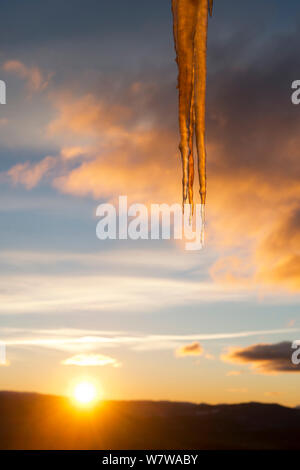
33	421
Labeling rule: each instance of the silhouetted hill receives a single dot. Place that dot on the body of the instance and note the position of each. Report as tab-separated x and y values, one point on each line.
33	421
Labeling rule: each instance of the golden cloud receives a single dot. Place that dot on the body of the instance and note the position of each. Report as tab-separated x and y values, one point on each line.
192	349
90	360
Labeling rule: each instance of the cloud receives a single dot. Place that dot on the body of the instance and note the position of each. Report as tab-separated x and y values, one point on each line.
112	175
233	270
112	292
90	360
115	146
30	174
35	79
88	115
237	390
193	349
264	358
253	166
89	341
70	153
135	149
279	253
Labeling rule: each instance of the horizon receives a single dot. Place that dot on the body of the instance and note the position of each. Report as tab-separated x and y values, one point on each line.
100	401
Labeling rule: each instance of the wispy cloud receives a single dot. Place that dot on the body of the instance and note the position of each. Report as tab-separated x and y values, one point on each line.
36	81
30	174
59	294
80	341
90	360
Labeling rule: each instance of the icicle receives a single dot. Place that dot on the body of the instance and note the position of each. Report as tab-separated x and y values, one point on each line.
190	37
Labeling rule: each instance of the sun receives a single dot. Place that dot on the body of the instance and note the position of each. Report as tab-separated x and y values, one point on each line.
85	393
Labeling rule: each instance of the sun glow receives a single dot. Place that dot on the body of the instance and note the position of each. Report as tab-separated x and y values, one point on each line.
85	393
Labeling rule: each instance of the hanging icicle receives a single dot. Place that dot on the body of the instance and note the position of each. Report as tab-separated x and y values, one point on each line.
190	37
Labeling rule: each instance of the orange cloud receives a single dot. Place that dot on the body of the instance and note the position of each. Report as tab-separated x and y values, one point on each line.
134	156
88	116
33	75
279	253
232	270
193	349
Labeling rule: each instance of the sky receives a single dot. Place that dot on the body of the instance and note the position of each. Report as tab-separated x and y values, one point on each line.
91	114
